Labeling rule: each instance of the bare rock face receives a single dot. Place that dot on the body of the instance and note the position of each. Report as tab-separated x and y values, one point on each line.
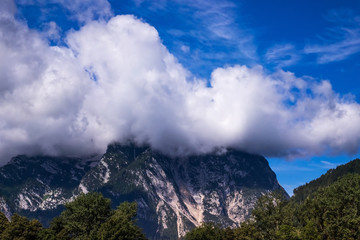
173	194
37	187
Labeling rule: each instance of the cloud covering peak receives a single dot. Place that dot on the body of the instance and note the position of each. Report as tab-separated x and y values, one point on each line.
115	81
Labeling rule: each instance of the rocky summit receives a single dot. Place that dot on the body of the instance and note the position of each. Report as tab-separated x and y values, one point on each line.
173	194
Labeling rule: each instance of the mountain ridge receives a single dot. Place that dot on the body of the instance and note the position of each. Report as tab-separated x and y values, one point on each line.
173	194
331	176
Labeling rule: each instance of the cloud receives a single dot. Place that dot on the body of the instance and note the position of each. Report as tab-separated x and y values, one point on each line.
221	22
213	29
282	55
328	165
8	7
337	51
86	10
80	10
40	92
341	41
116	81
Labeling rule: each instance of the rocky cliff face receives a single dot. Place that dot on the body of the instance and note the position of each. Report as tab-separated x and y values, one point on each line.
38	186
173	194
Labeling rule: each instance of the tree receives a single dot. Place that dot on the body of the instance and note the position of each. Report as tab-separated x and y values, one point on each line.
247	231
121	224
310	231
268	214
20	228
334	211
82	218
4	222
207	231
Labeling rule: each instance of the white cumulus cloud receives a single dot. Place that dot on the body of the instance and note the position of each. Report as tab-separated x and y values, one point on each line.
116	81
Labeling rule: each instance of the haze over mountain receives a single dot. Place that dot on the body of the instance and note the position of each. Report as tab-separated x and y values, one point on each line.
113	79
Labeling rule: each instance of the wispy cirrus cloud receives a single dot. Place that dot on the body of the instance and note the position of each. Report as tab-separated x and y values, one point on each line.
339	42
282	55
328	165
212	29
79	10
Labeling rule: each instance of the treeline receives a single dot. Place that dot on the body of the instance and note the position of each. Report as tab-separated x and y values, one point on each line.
326	179
88	217
331	212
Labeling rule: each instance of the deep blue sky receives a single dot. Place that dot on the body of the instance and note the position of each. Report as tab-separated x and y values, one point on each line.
318	39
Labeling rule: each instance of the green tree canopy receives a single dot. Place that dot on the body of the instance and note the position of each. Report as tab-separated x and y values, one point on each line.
121	224
334	211
83	217
20	228
207	231
4	222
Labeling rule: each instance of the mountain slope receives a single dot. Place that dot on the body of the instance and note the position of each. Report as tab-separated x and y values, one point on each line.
32	184
331	176
173	194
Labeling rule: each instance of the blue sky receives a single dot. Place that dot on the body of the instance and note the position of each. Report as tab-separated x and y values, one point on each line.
311	41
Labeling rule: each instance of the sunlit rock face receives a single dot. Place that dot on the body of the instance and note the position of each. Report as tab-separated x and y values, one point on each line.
173	194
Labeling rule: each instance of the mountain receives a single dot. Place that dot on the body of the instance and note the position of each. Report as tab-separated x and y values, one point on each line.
38	186
329	209
173	194
331	176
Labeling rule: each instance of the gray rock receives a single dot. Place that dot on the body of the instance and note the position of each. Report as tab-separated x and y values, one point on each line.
173	194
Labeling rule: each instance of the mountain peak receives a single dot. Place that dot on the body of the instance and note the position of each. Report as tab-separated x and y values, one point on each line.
173	194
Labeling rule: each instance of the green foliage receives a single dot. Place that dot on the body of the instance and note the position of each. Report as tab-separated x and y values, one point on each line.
48	234
267	214
247	231
20	228
333	212
272	220
310	231
121	225
302	192
207	231
88	217
82	218
4	222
